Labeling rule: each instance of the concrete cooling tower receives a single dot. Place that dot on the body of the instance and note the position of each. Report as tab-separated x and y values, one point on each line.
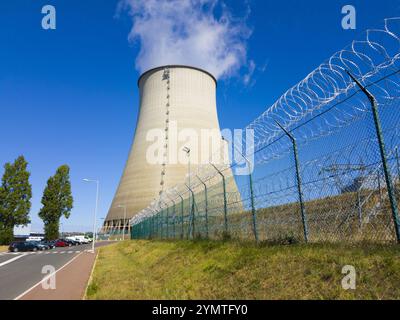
172	98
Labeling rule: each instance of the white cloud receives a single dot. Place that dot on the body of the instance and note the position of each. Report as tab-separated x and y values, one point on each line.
188	32
251	69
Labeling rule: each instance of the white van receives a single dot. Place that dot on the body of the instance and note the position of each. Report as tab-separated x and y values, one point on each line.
80	239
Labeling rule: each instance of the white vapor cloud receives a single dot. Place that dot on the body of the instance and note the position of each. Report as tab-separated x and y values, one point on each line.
247	77
199	33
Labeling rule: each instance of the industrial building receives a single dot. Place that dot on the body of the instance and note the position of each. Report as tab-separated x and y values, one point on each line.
172	99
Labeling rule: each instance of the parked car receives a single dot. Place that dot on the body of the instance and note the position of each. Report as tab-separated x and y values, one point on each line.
49	244
23	246
40	246
61	243
81	239
70	242
33	238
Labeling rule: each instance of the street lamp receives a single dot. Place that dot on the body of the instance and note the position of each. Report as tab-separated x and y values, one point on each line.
95	209
123	230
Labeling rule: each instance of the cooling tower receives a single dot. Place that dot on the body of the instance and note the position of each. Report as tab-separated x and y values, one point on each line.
172	99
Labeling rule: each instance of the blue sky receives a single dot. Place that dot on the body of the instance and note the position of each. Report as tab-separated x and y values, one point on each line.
69	96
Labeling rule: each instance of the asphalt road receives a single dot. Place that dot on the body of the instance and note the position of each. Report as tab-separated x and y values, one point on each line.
21	271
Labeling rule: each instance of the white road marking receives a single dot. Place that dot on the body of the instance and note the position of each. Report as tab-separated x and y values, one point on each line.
46	277
12	259
43	252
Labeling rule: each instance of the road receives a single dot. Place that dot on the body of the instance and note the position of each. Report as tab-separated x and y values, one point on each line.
20	271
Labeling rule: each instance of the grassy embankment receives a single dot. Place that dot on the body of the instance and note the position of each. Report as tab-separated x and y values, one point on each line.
230	270
3	248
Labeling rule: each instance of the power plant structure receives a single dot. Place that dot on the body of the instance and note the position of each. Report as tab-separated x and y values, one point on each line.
173	99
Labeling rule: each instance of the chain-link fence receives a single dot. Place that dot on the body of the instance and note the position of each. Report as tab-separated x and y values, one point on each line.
326	161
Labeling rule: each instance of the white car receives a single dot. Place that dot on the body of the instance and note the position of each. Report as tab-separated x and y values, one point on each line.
80	239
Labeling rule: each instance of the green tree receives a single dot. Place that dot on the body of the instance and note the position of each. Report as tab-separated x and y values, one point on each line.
15	198
57	202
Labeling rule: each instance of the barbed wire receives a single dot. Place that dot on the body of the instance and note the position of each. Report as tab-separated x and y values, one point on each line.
320	105
311	107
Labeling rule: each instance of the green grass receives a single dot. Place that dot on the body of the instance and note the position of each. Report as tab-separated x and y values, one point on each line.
231	270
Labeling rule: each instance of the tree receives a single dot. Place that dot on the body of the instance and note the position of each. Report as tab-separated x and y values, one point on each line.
15	198
57	202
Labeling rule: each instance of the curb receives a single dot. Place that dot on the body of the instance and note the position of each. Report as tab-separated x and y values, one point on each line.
91	276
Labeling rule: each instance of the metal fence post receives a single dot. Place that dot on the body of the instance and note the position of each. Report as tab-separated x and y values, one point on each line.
253	209
191	213
161	222
225	203
167	222
150	227
173	225
156	225
181	215
153	226
298	178
398	168
174	216
359	208
206	203
392	197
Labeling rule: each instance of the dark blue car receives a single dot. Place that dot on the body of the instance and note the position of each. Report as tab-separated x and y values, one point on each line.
23	246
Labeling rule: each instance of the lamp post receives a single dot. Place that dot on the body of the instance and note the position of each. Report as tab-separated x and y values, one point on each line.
123	230
95	210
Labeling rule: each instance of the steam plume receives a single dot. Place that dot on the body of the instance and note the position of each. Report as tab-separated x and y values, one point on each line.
199	33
